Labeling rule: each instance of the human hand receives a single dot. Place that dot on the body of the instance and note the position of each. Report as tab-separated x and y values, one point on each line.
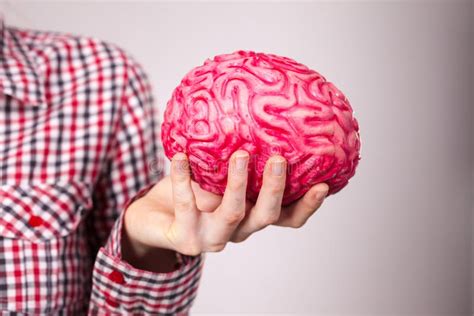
178	215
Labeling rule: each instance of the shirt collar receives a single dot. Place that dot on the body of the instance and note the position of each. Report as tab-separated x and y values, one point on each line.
18	73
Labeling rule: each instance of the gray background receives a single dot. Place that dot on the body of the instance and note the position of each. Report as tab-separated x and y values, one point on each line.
398	239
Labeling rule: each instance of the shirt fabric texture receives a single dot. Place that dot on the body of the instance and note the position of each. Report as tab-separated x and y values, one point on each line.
78	143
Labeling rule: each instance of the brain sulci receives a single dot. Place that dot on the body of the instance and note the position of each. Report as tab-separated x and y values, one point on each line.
266	105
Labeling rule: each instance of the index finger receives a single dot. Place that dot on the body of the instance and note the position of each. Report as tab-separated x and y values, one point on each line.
183	196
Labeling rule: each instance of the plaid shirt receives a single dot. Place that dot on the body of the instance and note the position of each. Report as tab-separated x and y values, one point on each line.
78	143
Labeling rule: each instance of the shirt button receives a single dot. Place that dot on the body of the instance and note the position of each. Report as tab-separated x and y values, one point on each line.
116	277
111	302
35	221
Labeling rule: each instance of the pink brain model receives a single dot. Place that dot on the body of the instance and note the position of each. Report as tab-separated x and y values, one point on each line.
264	104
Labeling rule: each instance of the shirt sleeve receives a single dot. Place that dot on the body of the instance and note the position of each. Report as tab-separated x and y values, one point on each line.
134	164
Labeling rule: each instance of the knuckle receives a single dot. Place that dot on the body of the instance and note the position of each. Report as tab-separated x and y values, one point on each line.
276	188
239	238
216	247
297	223
179	177
179	181
234	217
309	205
191	249
184	205
267	219
237	184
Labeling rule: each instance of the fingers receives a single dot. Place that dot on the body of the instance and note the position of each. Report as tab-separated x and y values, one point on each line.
193	232
300	211
268	206
206	201
232	209
183	197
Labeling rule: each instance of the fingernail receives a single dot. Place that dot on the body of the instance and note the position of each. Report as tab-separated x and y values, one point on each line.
241	163
277	168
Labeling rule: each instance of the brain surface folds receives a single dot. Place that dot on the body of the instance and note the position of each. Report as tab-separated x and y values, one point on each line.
267	105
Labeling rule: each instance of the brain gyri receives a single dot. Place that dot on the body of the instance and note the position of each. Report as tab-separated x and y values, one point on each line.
266	105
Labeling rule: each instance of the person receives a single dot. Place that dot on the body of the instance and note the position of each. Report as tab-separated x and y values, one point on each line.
89	223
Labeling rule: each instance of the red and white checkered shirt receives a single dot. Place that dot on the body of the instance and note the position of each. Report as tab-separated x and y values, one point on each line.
78	143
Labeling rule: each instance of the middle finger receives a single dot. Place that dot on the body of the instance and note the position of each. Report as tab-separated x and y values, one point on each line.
268	207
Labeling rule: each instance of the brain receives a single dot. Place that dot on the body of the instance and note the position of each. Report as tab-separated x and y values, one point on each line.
266	105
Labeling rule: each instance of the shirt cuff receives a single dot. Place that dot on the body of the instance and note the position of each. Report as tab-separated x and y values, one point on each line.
119	288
